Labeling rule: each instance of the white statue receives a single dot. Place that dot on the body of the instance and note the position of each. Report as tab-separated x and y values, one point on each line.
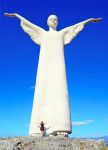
51	102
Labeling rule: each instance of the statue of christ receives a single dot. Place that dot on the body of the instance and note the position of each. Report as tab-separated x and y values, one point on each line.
51	100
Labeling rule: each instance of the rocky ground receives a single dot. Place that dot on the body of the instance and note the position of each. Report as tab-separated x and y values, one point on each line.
50	143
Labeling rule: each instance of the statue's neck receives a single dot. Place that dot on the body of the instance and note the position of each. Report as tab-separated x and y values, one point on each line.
52	29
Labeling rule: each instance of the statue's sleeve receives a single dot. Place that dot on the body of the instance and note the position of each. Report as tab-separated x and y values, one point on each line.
34	31
72	31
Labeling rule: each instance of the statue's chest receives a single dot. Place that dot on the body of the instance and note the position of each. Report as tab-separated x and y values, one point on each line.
52	46
52	37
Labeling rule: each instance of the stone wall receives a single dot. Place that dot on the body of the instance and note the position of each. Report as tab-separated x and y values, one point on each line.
50	143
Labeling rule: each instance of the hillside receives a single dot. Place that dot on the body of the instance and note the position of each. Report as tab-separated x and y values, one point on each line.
49	143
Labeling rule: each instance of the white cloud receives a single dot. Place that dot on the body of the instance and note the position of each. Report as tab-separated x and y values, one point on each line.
32	87
74	123
82	123
27	125
107	120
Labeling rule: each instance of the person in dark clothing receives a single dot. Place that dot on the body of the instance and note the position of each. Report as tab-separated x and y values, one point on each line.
42	128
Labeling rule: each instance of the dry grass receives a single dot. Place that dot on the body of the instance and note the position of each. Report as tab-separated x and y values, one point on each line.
104	148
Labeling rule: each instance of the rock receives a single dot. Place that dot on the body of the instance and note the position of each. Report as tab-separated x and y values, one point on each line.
50	143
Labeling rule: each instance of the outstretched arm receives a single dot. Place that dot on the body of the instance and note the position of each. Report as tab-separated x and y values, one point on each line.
91	20
34	31
19	17
72	31
16	15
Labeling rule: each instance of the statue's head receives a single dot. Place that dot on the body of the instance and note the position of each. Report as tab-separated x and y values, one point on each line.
52	21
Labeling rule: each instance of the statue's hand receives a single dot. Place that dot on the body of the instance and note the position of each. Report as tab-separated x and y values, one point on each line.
96	20
10	15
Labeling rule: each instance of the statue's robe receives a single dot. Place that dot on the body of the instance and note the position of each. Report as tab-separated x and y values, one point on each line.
51	100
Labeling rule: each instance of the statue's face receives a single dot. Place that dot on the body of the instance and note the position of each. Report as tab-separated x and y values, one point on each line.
52	21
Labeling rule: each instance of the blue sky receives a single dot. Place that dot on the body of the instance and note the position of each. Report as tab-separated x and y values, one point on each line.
86	60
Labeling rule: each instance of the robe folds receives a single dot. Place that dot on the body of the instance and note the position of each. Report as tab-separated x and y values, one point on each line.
51	100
